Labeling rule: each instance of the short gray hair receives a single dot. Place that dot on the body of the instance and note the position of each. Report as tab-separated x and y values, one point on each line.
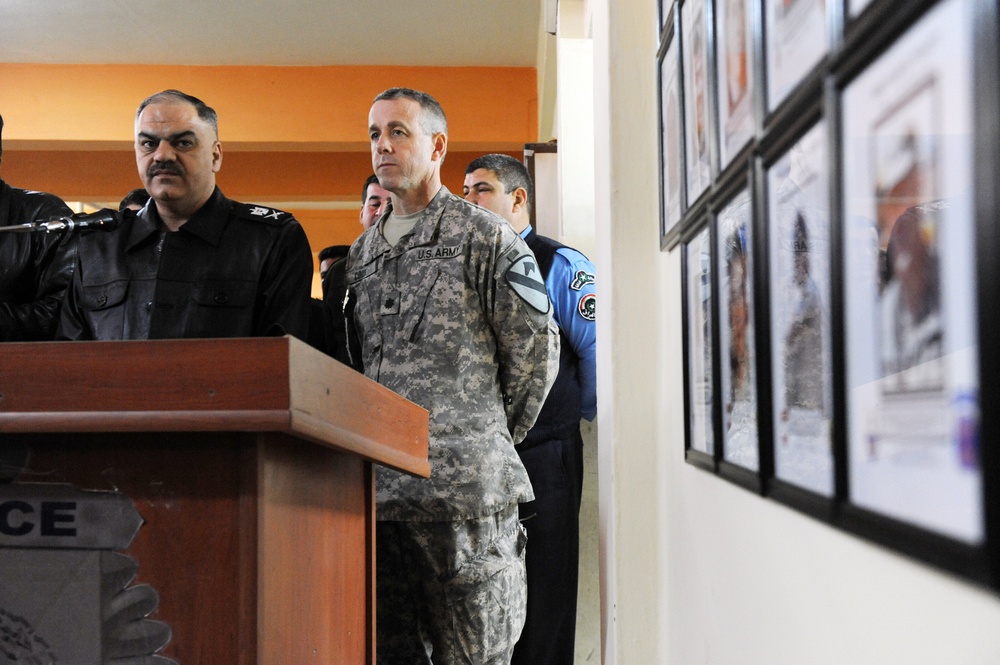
432	118
205	112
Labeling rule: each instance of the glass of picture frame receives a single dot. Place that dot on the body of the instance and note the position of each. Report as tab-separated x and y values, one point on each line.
671	140
694	63
797	39
798	230
737	365
911	361
855	7
734	76
698	351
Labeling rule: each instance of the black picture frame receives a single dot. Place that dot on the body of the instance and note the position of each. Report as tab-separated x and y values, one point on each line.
855	8
796	212
825	100
798	37
697	86
735	78
736	256
672	181
700	341
912	373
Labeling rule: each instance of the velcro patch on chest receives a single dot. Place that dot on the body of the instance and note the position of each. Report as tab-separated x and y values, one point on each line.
526	280
362	272
428	253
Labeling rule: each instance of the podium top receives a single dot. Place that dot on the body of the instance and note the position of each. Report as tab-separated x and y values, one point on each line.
236	385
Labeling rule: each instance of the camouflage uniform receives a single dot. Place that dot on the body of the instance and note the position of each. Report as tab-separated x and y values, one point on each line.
455	318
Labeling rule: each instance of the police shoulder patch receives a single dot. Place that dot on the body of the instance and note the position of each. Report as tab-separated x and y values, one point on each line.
260	213
526	280
587	308
581	279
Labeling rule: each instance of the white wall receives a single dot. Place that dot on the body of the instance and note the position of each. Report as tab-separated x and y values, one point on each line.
696	571
576	143
629	404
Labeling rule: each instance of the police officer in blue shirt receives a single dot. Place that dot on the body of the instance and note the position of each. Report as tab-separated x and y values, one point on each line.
552	452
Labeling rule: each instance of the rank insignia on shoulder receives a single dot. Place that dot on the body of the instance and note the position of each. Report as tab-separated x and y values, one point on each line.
251	211
526	280
581	279
258	211
588	307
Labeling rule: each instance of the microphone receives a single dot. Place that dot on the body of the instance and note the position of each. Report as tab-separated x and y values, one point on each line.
105	219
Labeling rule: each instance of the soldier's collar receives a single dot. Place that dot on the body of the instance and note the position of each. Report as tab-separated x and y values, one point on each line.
426	230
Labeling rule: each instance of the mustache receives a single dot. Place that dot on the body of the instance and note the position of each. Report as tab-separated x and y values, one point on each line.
157	168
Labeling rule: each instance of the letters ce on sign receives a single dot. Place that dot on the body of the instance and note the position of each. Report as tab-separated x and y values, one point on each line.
64	590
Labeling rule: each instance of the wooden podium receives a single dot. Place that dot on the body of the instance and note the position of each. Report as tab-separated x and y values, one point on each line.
250	461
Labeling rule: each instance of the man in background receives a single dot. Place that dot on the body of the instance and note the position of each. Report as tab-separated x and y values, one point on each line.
374	201
552	452
451	313
192	263
34	267
328	256
134	200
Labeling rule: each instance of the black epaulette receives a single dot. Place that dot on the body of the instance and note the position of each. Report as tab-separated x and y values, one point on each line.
260	213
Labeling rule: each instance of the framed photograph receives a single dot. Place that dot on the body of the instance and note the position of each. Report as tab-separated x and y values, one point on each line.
797	39
694	36
698	348
738	367
734	62
798	228
912	349
671	141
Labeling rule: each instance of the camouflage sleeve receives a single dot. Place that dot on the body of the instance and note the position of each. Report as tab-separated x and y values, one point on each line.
527	337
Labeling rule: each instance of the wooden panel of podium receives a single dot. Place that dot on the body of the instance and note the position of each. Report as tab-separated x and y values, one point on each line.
251	463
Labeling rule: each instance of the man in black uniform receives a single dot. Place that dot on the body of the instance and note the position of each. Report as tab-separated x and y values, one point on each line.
34	267
192	263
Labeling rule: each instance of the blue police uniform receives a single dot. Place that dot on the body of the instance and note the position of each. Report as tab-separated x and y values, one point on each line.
552	453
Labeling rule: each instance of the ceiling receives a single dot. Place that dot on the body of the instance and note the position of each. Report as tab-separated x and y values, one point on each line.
442	33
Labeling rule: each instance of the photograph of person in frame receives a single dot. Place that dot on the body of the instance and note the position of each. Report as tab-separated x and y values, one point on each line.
739	415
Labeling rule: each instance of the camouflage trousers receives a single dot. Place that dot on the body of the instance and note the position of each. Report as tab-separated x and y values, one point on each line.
450	593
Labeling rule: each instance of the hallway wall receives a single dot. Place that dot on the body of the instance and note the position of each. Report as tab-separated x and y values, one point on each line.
697	570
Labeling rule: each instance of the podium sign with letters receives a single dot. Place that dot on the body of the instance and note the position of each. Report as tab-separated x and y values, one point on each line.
65	596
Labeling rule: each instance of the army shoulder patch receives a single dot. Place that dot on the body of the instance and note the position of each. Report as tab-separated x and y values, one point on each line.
526	280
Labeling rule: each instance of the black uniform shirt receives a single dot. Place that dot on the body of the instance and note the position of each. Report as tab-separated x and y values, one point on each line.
34	267
232	270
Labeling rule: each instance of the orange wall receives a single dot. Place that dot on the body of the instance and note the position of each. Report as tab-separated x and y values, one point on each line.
293	134
291	108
